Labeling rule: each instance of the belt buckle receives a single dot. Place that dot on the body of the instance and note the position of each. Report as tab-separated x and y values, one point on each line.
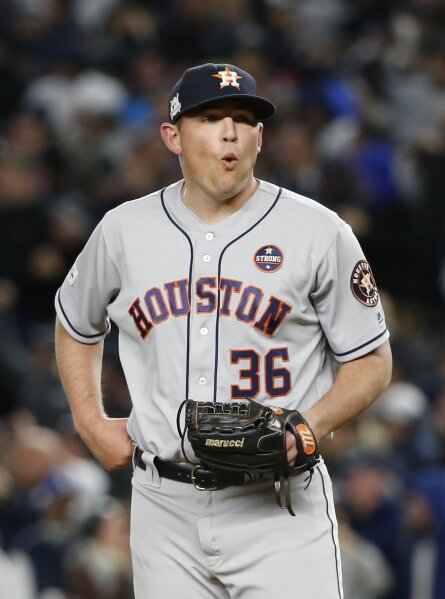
197	484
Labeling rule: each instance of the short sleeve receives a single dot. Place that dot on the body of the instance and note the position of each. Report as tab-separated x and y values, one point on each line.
347	300
90	286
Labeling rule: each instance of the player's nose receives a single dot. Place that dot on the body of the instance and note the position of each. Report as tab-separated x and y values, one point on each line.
229	129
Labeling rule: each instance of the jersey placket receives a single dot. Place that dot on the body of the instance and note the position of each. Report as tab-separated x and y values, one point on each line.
203	314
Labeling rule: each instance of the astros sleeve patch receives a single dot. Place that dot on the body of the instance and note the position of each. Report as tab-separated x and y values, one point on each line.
363	285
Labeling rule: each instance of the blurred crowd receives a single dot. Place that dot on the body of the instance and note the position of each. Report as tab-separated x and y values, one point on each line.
359	87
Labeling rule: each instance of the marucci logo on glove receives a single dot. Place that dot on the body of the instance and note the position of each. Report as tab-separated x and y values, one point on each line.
225	443
307	438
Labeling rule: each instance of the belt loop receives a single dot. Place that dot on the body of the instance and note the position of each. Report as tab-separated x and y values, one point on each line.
148	475
152	477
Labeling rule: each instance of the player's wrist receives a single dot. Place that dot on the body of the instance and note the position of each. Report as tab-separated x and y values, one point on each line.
89	426
315	424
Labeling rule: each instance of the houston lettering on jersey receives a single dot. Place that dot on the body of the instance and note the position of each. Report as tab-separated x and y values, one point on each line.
245	302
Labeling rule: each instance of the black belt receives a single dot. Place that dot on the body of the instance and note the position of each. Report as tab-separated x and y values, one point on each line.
197	475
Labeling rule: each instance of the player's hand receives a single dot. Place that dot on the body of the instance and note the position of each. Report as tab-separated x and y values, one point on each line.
109	442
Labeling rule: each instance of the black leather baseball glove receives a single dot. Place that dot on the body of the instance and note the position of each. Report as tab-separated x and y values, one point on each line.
246	436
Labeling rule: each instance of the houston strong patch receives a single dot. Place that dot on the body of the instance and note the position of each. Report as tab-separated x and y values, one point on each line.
268	258
363	284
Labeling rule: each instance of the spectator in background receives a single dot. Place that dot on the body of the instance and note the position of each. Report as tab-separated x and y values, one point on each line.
30	454
422	571
22	216
366	573
46	542
408	431
418	97
99	563
49	488
439	406
16	576
372	495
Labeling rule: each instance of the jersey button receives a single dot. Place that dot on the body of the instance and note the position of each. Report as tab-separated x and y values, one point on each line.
204	330
202	380
206	258
209	236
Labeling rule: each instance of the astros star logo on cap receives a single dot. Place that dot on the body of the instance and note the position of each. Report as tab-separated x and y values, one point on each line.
228	77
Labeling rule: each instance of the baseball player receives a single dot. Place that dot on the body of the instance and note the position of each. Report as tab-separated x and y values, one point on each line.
223	288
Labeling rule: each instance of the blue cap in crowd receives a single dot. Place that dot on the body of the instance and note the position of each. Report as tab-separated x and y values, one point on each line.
213	82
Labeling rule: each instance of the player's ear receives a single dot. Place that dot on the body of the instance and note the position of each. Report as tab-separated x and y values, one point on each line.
170	136
260	137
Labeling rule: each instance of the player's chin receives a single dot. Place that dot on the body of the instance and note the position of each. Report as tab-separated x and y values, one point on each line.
233	180
227	181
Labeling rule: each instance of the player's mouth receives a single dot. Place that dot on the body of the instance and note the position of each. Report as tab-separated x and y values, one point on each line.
229	160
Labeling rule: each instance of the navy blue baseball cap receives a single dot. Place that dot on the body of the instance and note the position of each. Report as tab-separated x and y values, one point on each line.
210	82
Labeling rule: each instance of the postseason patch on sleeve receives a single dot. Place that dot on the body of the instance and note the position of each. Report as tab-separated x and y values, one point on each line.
72	275
363	284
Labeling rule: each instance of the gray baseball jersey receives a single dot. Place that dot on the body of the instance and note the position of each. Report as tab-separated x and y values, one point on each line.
263	304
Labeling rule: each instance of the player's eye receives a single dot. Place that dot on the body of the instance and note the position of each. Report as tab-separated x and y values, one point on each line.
243	118
211	118
246	118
